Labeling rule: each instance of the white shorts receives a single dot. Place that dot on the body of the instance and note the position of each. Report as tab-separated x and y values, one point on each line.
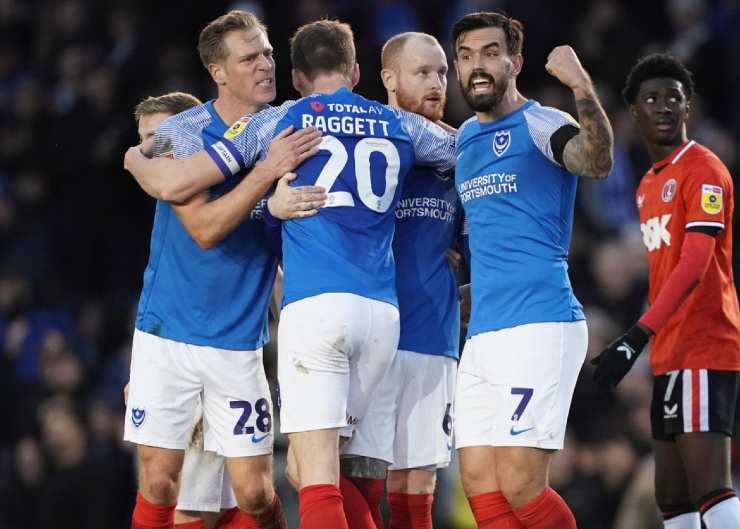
514	386
204	484
333	350
409	421
168	377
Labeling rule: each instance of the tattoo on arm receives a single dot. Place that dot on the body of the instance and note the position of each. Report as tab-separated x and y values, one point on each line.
160	147
589	154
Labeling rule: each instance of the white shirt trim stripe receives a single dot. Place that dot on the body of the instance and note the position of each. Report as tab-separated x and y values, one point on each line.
703	401
683	151
687	412
696	223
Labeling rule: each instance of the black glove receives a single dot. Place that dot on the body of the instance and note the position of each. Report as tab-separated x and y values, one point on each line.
614	361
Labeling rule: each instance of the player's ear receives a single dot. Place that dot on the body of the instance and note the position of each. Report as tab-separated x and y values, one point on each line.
388	75
518	62
457	70
355	74
217	73
633	112
299	80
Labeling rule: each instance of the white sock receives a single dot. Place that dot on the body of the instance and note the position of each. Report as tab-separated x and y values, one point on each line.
724	515
689	520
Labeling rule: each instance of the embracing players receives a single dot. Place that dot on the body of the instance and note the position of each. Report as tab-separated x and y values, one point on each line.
686	203
339	325
517	169
189	345
409	420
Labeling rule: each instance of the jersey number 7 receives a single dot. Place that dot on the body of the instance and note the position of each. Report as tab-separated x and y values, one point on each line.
338	158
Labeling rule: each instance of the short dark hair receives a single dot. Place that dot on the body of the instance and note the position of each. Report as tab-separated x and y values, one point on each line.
323	46
655	66
513	29
172	103
211	47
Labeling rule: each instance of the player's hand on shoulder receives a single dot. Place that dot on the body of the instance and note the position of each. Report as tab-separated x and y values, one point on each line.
613	363
290	148
295	202
564	65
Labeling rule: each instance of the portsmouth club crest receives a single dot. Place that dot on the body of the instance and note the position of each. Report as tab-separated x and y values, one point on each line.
501	142
137	416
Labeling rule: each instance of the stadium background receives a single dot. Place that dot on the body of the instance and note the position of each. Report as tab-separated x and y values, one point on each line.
74	228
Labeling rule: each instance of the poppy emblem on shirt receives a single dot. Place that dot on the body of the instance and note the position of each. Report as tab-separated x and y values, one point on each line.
317	106
501	142
669	190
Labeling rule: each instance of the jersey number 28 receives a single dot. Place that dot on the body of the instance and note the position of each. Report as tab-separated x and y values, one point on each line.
338	158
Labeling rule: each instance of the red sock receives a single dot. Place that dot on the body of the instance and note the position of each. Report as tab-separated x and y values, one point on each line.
235	518
410	511
151	515
372	490
195	524
355	506
492	511
321	507
546	511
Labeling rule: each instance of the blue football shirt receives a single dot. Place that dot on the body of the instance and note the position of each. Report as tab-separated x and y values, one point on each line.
217	297
366	151
518	203
428	219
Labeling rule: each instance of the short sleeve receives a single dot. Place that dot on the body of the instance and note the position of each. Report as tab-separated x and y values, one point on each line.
433	145
705	191
550	129
247	140
174	139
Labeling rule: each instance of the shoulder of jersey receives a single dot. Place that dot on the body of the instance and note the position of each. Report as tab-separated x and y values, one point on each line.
538	111
701	156
195	119
466	124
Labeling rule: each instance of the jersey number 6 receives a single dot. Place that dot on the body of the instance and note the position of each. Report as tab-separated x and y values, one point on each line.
338	158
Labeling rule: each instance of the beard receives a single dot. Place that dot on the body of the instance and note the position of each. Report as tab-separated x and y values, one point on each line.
412	103
484	102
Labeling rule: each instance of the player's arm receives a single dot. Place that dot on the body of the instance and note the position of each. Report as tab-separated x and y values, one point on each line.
172	180
588	153
209	221
616	360
434	145
705	218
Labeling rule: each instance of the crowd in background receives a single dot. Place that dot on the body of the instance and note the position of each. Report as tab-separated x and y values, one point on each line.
74	227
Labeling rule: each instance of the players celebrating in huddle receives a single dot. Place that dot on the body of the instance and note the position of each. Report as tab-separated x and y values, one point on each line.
369	324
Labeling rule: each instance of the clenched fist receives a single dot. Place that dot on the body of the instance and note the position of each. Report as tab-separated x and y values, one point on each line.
563	64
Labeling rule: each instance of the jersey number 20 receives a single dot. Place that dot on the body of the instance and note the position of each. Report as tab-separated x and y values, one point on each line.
338	158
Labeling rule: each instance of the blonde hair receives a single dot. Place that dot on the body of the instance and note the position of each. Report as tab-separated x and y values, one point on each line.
172	103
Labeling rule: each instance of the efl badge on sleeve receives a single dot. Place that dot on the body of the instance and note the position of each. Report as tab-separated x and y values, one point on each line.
501	142
237	128
711	199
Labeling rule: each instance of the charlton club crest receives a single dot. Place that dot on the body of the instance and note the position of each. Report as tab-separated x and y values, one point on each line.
501	142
